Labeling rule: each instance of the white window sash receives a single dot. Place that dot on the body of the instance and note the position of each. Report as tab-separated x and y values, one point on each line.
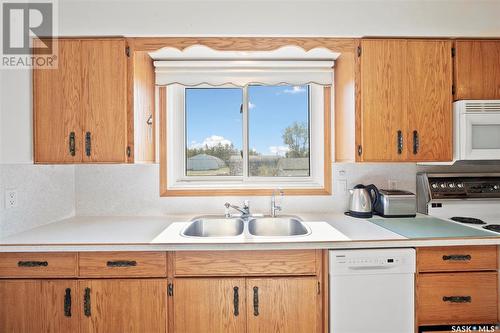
176	146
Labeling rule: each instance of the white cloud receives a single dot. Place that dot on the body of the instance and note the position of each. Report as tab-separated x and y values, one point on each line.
294	90
279	150
251	105
211	141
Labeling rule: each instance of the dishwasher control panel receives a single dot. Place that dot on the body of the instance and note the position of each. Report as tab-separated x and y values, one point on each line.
372	261
366	261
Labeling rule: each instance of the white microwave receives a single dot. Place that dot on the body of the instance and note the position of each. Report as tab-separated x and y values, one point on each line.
476	130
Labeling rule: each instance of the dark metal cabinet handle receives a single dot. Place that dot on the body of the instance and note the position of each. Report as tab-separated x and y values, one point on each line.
400	142
72	150
457	299
86	302
236	301
67	302
416	143
88	144
121	263
32	263
457	257
255	301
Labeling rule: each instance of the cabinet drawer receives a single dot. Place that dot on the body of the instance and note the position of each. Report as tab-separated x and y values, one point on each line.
457	298
37	265
123	264
456	258
243	263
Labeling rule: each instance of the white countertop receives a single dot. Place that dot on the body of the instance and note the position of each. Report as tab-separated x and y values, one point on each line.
163	234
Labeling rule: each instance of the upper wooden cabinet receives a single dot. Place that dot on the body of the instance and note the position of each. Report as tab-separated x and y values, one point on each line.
477	69
405	107
84	110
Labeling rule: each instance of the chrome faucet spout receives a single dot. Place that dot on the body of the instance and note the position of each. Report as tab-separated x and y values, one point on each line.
274	207
245	210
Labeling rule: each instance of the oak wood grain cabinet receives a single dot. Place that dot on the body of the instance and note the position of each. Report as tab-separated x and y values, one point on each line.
84	110
457	285
123	305
477	69
249	291
209	305
29	306
405	108
284	304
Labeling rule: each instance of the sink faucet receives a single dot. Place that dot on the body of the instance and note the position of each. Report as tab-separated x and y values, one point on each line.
276	208
245	210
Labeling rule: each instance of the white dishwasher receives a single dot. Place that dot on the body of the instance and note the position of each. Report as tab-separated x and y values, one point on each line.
372	291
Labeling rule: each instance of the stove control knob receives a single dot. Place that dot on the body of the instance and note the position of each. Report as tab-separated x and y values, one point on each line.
434	185
496	187
442	185
460	185
451	185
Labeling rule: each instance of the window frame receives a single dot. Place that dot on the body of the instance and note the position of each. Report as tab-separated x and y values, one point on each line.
172	156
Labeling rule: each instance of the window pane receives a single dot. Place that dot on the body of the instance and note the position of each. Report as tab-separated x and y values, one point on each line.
213	132
278	131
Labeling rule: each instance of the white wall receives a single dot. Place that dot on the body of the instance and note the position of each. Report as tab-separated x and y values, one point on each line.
134	190
45	193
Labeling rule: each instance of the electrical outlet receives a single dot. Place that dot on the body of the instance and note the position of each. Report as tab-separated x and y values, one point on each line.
10	198
393	184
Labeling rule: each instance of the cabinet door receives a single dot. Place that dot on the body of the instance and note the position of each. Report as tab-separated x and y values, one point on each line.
429	101
33	306
209	305
383	115
104	105
117	306
283	305
477	69
56	107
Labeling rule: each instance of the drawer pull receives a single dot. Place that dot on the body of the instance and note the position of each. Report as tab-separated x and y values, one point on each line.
255	301
67	303
121	263
72	150
457	257
236	302
88	144
32	263
400	142
86	303
457	299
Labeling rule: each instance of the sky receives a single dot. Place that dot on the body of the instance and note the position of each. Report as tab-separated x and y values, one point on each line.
213	116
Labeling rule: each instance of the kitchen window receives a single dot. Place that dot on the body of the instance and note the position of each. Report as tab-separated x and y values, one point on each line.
244	123
255	137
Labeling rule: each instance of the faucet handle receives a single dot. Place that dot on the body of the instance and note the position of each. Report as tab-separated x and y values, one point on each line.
246	204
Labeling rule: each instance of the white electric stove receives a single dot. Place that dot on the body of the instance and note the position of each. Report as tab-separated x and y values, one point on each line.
470	199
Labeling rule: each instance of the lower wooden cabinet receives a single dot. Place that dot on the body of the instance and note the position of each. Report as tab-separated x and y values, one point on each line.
31	306
127	305
209	305
275	304
283	305
457	298
129	292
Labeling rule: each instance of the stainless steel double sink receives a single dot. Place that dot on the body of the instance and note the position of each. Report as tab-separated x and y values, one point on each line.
255	226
